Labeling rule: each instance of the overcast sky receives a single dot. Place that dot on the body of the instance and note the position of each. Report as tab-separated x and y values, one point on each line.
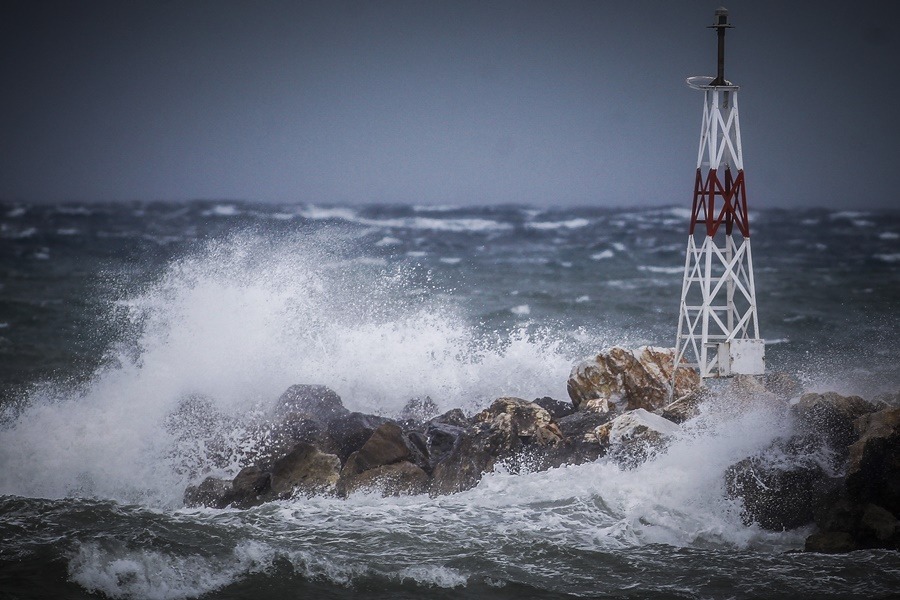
546	103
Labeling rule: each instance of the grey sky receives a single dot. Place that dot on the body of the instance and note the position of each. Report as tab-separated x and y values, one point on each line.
546	103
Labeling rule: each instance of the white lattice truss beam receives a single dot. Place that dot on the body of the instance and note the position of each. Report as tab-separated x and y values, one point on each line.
719	134
715	276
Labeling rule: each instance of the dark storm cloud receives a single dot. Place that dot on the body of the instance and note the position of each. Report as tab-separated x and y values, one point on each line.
427	102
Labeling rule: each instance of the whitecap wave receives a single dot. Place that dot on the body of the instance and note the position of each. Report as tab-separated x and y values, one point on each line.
551	225
457	225
119	572
222	210
605	254
666	270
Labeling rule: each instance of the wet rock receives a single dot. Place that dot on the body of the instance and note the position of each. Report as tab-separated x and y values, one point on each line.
579	442
348	433
512	430
315	402
782	486
631	379
831	417
419	410
305	470
462	467
454	417
685	408
270	441
830	542
864	513
249	488
597	405
635	436
873	472
212	492
440	440
784	385
417	443
887	400
385	446
396	479
557	408
847	526
835	512
514	421
379	462
879	527
300	415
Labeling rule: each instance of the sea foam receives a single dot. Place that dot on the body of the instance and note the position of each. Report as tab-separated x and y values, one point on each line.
237	323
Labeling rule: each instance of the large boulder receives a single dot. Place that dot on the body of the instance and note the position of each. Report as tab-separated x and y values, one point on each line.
631	379
377	464
635	436
300	415
783	486
396	479
831	417
580	443
518	418
685	408
864	511
211	492
315	402
347	434
873	472
846	526
251	487
830	542
463	466
557	408
454	417
419	410
266	441
441	434
440	439
305	470
385	446
512	430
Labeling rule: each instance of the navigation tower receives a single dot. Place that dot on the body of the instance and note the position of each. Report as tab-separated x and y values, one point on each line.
718	331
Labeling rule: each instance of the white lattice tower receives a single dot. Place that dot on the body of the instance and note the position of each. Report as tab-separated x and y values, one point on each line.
718	330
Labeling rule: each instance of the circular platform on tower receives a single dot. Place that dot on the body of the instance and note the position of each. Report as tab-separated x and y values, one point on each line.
704	82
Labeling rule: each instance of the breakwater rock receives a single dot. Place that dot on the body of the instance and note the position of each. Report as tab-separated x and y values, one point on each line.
838	471
630	379
835	468
310	443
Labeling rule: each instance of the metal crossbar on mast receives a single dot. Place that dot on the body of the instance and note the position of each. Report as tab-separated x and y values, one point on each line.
718	329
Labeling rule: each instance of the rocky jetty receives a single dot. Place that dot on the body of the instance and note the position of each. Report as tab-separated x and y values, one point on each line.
310	443
838	470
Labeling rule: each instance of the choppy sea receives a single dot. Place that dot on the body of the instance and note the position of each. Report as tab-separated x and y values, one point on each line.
110	314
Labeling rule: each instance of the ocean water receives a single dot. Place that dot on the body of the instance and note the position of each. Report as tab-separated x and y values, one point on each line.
111	315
